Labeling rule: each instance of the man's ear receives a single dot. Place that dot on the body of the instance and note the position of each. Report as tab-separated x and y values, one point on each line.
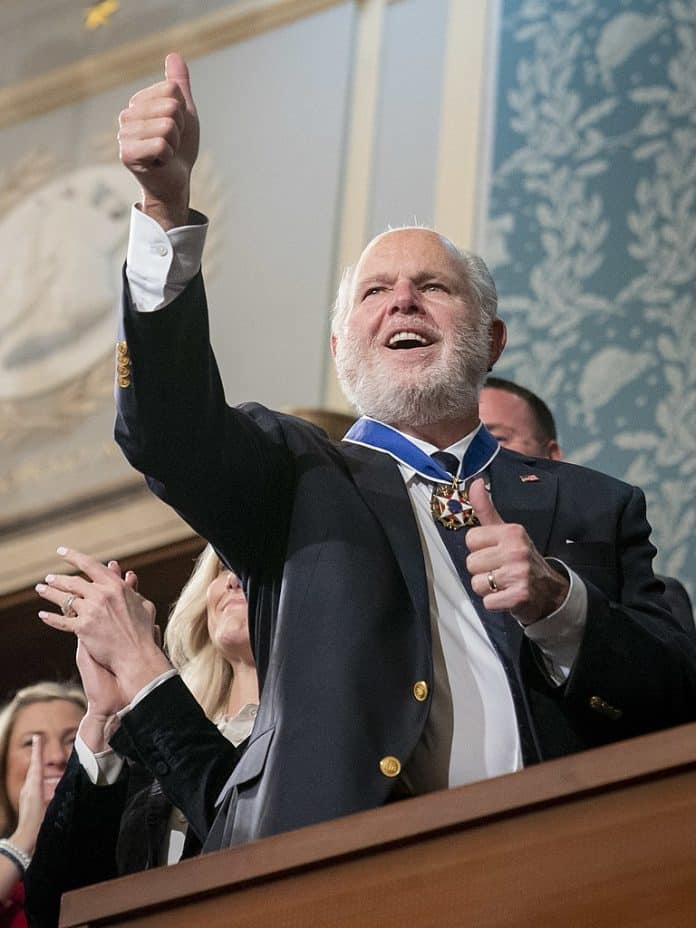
553	451
497	342
332	345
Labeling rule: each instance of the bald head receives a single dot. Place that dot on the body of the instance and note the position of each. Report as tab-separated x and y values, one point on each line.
469	267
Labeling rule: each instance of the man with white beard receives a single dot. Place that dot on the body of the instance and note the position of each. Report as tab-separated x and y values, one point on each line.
417	622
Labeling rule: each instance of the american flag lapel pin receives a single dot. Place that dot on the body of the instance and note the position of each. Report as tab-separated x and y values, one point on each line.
528	478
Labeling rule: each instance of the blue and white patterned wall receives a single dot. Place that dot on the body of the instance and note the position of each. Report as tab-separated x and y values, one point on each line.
591	235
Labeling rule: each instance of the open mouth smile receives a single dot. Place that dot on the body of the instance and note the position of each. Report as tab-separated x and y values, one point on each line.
406	339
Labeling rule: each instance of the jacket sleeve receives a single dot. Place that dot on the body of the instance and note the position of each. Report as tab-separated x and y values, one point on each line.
636	668
679	604
76	845
215	464
168	733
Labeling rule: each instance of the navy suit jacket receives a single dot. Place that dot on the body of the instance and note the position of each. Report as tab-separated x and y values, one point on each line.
325	541
679	604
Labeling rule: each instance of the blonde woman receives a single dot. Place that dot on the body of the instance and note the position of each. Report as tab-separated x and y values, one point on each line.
109	819
37	731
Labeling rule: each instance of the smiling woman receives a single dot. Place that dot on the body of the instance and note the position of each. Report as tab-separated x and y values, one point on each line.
37	731
110	818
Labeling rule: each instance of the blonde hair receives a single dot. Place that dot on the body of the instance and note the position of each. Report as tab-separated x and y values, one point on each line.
187	640
44	691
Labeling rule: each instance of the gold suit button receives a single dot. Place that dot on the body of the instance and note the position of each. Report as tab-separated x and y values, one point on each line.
420	690
122	348
602	706
390	766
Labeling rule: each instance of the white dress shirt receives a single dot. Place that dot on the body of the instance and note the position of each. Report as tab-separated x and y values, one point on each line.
484	736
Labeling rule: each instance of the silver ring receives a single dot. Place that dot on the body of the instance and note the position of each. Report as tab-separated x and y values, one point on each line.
493	586
67	607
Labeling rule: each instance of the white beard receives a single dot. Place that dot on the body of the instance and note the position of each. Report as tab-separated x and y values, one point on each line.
445	390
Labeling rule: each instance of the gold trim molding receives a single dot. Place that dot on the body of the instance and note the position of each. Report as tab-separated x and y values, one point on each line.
120	65
120	530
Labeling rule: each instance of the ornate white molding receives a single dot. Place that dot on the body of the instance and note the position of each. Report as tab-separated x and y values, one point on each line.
138	522
128	62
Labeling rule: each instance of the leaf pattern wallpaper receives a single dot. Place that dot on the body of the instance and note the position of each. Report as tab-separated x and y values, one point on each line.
591	236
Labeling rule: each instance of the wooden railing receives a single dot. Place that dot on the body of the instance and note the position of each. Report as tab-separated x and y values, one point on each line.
602	839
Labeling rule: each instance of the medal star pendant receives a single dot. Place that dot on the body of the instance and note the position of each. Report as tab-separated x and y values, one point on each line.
450	507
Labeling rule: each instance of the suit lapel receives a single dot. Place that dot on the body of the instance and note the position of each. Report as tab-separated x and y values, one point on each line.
524	492
530	502
379	482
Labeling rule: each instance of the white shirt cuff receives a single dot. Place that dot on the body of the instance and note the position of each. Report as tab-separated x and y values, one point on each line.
159	264
559	635
148	688
102	768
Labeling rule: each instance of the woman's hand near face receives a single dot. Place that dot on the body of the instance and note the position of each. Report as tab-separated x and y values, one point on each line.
113	622
30	813
32	802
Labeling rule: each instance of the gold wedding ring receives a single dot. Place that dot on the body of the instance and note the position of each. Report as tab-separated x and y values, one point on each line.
493	586
67	607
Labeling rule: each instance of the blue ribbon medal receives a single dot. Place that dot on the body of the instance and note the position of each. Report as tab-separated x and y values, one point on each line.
449	502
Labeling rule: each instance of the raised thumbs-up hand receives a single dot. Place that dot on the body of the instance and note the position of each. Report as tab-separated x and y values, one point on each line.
158	142
482	502
506	569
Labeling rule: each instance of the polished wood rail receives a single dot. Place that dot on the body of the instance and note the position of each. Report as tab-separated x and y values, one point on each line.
601	839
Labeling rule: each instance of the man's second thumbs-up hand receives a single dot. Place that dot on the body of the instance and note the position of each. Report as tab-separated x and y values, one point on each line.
506	569
158	142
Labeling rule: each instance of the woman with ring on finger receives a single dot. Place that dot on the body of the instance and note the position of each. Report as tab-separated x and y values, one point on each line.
121	818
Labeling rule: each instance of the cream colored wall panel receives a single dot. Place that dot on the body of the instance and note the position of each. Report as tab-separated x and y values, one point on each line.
407	124
357	180
137	524
463	123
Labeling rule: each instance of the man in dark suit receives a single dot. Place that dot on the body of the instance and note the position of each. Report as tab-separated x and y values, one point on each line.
401	647
521	421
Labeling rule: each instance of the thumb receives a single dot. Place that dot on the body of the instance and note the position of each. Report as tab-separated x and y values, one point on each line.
176	69
480	499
